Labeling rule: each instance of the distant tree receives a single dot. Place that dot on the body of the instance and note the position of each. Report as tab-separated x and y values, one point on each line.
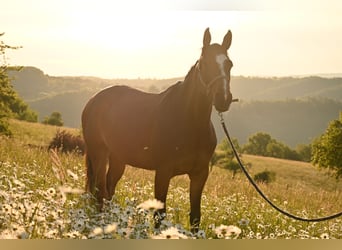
11	105
263	144
304	152
327	149
54	119
275	149
257	144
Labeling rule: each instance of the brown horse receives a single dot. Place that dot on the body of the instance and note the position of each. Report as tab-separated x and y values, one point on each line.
170	133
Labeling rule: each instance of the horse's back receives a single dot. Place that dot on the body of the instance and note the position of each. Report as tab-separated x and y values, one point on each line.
113	101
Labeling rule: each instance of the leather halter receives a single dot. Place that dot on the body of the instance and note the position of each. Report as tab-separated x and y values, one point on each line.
209	85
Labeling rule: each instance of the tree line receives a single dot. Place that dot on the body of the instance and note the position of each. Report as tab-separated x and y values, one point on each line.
325	151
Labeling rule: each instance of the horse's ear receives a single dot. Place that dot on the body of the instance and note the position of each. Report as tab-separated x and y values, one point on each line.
206	38
227	40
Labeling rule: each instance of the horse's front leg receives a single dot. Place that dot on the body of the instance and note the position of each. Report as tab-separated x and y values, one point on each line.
197	182
161	186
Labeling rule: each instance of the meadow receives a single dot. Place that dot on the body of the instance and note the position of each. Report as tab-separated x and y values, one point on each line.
42	197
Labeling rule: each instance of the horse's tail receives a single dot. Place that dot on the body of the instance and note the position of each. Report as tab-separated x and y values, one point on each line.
89	187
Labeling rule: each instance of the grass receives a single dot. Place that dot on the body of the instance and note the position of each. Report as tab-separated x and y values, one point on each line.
41	197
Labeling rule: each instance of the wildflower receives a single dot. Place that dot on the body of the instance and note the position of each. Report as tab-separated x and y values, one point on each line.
6	209
151	205
258	236
73	235
15	214
170	233
64	190
18	183
244	222
227	232
251	235
110	228
72	175
17	228
200	234
61	197
79	213
69	190
52	234
4	194
23	235
7	234
124	232
115	210
21	208
272	236
50	193
96	232
79	225
324	236
40	219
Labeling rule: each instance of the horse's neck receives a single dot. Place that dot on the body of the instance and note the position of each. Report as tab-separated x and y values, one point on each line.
196	100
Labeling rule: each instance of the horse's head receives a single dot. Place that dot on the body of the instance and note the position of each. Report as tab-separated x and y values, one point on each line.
214	70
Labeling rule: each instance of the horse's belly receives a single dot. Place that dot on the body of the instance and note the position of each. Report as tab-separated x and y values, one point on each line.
176	161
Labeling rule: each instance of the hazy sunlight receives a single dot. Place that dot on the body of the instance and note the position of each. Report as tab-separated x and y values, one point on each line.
157	39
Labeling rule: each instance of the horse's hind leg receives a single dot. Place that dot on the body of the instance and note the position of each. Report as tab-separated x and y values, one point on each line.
96	174
115	172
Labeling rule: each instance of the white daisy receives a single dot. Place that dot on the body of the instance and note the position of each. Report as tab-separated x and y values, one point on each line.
96	232
79	225
227	232
170	233
324	236
110	228
72	175
151	205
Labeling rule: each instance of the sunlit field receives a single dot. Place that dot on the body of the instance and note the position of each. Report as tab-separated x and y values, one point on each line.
41	196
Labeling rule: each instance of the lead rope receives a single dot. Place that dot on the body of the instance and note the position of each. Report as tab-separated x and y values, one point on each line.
243	168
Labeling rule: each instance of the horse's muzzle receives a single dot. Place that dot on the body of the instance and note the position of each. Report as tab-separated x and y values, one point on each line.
222	103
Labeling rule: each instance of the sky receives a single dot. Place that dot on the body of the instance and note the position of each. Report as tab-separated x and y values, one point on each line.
163	38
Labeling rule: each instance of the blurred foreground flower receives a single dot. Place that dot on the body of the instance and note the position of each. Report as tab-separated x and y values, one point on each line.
227	232
111	228
151	205
70	190
324	236
98	231
170	233
72	175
